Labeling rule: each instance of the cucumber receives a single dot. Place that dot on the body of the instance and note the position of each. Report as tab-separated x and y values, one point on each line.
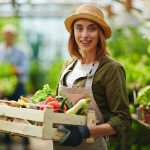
62	105
67	106
71	105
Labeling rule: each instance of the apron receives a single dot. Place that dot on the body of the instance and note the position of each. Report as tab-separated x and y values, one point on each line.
75	94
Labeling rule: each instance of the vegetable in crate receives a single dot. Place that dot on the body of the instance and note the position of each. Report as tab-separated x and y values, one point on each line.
62	106
55	105
41	103
59	98
24	99
41	108
41	95
71	105
50	99
82	104
79	111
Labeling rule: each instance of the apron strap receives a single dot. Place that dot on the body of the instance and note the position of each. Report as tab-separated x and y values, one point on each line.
66	71
90	76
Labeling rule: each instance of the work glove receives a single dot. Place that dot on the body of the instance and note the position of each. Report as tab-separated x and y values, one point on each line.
75	134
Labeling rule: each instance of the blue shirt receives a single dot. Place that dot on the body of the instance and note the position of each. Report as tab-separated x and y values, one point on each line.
16	57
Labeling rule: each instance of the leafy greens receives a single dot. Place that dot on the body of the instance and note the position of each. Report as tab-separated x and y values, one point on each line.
41	95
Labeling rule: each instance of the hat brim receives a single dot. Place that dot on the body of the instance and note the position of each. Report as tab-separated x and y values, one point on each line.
69	20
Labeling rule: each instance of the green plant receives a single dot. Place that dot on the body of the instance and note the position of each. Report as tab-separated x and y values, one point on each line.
36	77
148	48
128	43
8	80
53	73
143	97
130	48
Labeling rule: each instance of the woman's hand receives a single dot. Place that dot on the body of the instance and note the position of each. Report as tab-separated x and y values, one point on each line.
75	134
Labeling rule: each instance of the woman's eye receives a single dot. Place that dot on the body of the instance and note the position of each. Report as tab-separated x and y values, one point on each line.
79	28
92	28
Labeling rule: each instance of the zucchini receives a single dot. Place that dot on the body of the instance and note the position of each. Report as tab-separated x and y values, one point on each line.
79	111
82	103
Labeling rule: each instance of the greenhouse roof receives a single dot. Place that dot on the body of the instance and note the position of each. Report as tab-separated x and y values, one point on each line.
63	8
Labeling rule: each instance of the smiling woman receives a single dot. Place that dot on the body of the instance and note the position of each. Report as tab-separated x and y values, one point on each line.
89	36
86	36
82	28
93	74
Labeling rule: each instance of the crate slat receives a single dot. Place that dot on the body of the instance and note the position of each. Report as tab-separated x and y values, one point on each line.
91	121
21	128
48	124
61	118
23	113
57	135
31	104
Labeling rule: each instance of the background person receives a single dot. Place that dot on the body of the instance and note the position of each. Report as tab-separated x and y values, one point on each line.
9	52
93	74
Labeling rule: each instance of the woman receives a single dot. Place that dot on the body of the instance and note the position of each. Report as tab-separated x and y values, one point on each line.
92	73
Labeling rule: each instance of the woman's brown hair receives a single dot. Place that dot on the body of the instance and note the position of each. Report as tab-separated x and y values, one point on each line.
74	49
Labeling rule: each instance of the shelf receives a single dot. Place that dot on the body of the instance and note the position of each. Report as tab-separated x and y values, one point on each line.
135	117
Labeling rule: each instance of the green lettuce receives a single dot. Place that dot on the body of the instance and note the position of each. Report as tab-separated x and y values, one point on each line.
41	95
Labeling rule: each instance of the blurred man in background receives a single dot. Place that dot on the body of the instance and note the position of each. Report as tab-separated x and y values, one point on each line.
20	66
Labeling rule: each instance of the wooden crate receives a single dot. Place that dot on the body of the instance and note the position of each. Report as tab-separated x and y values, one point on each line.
46	121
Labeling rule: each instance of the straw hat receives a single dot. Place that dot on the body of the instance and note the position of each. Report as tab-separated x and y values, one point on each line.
9	28
91	12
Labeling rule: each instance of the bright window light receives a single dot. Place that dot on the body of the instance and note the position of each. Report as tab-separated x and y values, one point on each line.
38	1
6	7
21	1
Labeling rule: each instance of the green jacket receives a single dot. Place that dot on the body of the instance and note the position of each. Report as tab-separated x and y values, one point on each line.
109	91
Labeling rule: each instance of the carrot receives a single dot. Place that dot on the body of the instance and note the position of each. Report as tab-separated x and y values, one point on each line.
24	99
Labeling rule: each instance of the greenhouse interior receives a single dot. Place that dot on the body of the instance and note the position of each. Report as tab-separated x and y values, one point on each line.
37	31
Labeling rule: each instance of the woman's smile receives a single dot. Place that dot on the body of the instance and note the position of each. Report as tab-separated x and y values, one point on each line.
85	42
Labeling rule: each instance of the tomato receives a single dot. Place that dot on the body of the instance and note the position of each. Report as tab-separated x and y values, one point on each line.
50	99
55	105
41	108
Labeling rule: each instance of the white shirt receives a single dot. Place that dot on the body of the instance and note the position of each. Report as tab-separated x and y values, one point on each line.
79	70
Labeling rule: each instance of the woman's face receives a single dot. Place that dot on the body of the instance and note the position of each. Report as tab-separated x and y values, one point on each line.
86	34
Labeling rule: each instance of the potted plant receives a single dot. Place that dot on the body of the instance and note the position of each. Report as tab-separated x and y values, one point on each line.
141	115
143	99
147	112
